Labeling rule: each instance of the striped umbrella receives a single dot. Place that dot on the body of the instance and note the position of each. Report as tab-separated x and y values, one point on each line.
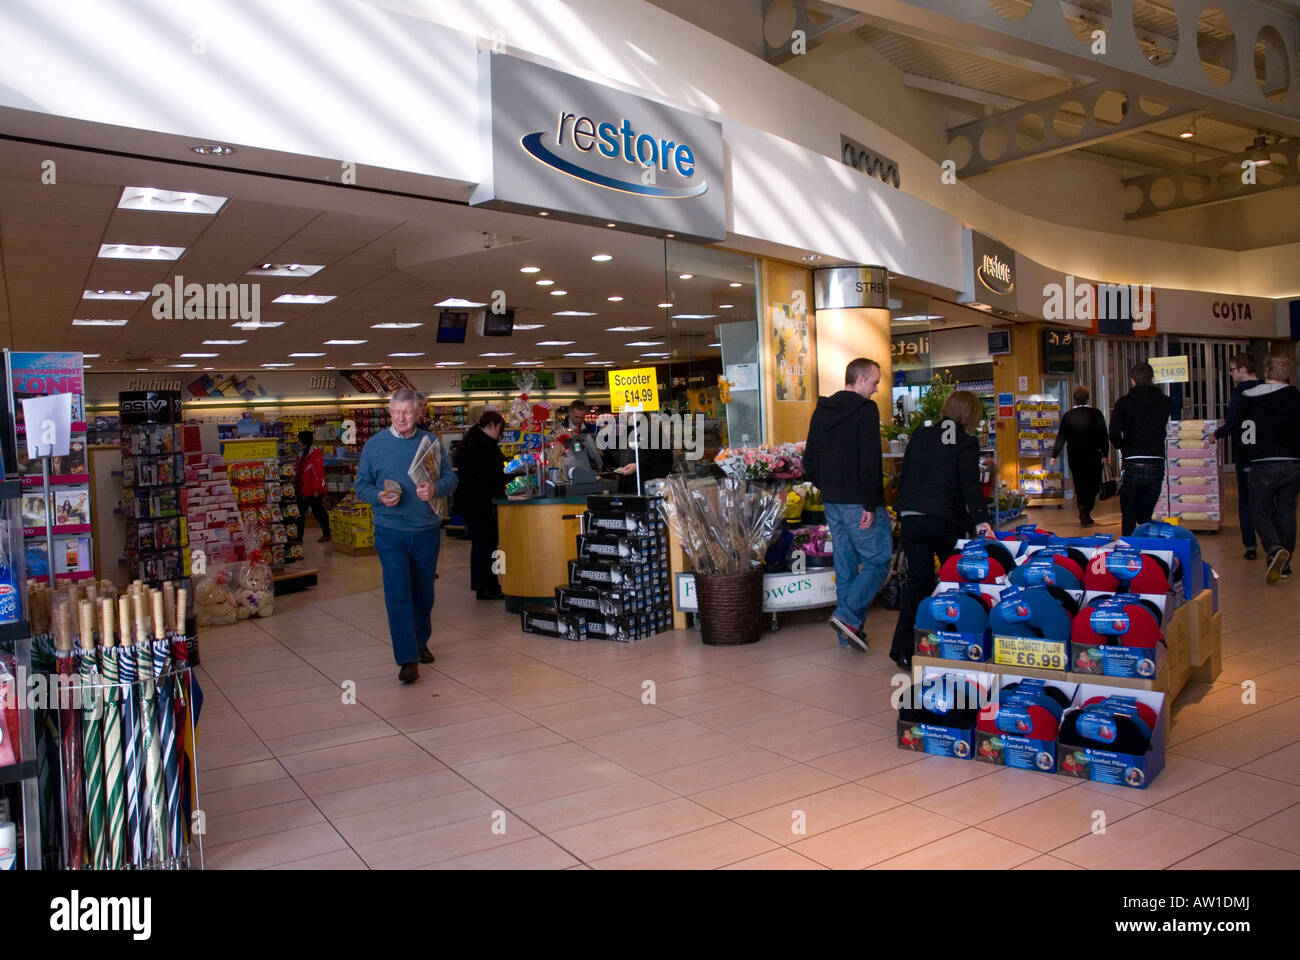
153	806
171	770
71	771
114	811
128	673
180	658
92	720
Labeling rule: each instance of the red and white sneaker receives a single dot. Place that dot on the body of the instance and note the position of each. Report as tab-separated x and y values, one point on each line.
850	633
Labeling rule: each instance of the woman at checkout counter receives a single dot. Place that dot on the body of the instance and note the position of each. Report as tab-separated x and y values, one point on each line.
480	467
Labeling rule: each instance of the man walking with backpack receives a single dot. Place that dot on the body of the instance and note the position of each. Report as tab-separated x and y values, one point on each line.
842	459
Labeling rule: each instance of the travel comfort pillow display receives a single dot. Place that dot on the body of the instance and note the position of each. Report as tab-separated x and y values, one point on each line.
1038	612
1118	724
964	612
979	561
1025	709
943	700
1121	620
1124	570
1043	569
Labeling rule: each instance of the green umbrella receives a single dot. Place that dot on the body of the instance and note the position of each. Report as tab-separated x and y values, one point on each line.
154	804
92	737
113	780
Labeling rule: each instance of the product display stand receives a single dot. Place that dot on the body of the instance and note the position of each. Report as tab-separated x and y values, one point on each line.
1038	420
153	481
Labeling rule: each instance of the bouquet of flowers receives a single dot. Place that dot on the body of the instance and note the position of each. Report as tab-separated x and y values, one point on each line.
765	462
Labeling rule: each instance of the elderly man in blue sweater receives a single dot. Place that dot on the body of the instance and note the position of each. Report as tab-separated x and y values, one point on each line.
407	537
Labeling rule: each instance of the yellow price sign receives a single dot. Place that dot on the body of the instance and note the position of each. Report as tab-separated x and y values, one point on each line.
634	388
1169	369
253	448
1029	652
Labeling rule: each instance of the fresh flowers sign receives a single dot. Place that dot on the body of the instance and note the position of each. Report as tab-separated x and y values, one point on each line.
780	462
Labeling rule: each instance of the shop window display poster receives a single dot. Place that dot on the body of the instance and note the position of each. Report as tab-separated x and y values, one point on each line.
71	507
34	512
790	342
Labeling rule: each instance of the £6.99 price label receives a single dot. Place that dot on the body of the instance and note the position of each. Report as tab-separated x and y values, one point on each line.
637	388
1030	652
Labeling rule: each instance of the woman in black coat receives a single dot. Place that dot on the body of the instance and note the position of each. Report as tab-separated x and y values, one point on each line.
1083	435
939	502
480	467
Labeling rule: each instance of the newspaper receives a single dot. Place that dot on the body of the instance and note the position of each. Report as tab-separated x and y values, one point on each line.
427	464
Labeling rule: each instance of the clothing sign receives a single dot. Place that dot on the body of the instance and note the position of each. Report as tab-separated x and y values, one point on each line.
585	151
1169	369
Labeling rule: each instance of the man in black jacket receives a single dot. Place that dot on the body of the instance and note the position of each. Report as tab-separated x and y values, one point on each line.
1083	436
480	468
1137	429
842	459
1242	370
1270	435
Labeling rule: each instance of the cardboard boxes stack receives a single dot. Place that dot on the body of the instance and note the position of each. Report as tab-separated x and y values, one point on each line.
352	527
619	587
1191	489
211	511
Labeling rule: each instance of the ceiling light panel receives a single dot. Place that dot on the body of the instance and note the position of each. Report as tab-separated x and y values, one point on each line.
127	251
169	201
286	270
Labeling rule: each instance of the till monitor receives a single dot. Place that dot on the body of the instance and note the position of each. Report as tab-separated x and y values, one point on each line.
452	325
999	343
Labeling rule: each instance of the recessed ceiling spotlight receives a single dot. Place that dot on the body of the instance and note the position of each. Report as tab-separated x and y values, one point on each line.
558	293
571	313
115	295
530	269
1189	131
602	258
314	298
626	329
580	354
286	270
127	251
529	326
343	343
258	324
614	299
556	343
395	326
646	343
277	364
209	368
99	323
811	257
611	224
458	302
223	343
168	201
543	213
725	306
92	356
670	235
544	283
735	284
1259	154
600	363
511	354
665	306
197	356
410	355
694	316
654	354
306	354
442	363
212	149
182	366
685	276
715	344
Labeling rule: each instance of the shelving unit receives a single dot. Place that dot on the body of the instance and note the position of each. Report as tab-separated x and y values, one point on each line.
153	482
1038	420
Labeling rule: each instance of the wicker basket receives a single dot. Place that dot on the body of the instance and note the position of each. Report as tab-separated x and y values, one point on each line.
730	607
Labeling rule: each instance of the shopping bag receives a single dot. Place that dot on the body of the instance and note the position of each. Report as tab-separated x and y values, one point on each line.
1109	485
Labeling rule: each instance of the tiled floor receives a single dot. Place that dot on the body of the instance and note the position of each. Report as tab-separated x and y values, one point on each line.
522	751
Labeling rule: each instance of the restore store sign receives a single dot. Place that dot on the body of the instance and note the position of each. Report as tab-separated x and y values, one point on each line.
584	151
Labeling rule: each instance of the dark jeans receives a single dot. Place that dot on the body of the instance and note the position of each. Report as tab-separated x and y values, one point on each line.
924	538
1274	486
482	530
1087	482
409	559
317	505
1243	506
1139	492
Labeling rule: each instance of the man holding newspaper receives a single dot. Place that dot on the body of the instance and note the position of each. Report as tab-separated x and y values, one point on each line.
403	472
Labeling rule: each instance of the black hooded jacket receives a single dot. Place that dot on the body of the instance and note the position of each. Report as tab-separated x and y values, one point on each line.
1137	424
480	469
842	456
1271	413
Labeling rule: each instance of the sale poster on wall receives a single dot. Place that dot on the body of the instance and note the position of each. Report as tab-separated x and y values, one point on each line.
791	348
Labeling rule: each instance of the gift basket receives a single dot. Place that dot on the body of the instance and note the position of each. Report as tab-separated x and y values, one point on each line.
725	528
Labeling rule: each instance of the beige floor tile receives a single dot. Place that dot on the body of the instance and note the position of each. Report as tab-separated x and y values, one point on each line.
707	849
535	853
258	822
968	850
1245	667
1239	853
927	776
857	763
523	766
986	797
232	736
806	745
1226	703
1189	724
752	794
502	745
1282	764
258	853
1285	717
1060	818
339	860
1146	840
666	756
572	809
214	758
542	695
742	713
394	793
215	803
582	728
779	859
788	723
426	847
786	684
333	737
1046	863
1233	801
643	737
577	709
707	774
344	755
226	778
1284	679
875	838
407	818
1237	743
808	816
626	831
1280	830
492	720
366	774
587	775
